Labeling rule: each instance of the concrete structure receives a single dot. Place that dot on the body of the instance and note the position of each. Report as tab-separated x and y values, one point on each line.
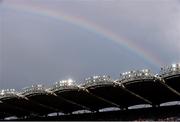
140	87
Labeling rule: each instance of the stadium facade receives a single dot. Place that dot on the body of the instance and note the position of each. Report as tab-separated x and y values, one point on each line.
66	100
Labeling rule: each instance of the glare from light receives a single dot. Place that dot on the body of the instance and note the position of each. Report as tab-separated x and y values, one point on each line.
70	81
2	92
173	65
39	85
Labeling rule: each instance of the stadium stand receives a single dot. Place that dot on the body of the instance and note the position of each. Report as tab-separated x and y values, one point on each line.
66	100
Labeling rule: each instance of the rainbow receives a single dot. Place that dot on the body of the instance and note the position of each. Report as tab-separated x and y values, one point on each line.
90	26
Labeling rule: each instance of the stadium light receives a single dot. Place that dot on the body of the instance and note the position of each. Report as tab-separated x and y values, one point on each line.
8	92
134	75
70	81
98	80
64	83
173	65
173	69
2	92
35	88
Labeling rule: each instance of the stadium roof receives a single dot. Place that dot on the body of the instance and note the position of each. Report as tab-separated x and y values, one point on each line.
132	88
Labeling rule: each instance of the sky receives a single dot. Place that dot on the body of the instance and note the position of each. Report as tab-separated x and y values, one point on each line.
44	41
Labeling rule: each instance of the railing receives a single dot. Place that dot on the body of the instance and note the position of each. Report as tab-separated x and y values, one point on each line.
136	75
173	69
64	84
33	89
98	80
8	93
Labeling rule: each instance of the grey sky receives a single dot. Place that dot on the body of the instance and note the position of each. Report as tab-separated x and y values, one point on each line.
41	49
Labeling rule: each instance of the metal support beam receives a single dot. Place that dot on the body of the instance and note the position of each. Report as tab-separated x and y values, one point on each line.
134	94
163	82
105	100
72	102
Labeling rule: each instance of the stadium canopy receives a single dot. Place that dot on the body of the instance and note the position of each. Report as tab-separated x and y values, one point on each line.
132	88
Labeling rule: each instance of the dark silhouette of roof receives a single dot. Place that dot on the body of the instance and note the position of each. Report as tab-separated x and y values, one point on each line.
132	88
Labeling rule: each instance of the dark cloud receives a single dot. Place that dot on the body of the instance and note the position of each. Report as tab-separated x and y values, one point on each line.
40	49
